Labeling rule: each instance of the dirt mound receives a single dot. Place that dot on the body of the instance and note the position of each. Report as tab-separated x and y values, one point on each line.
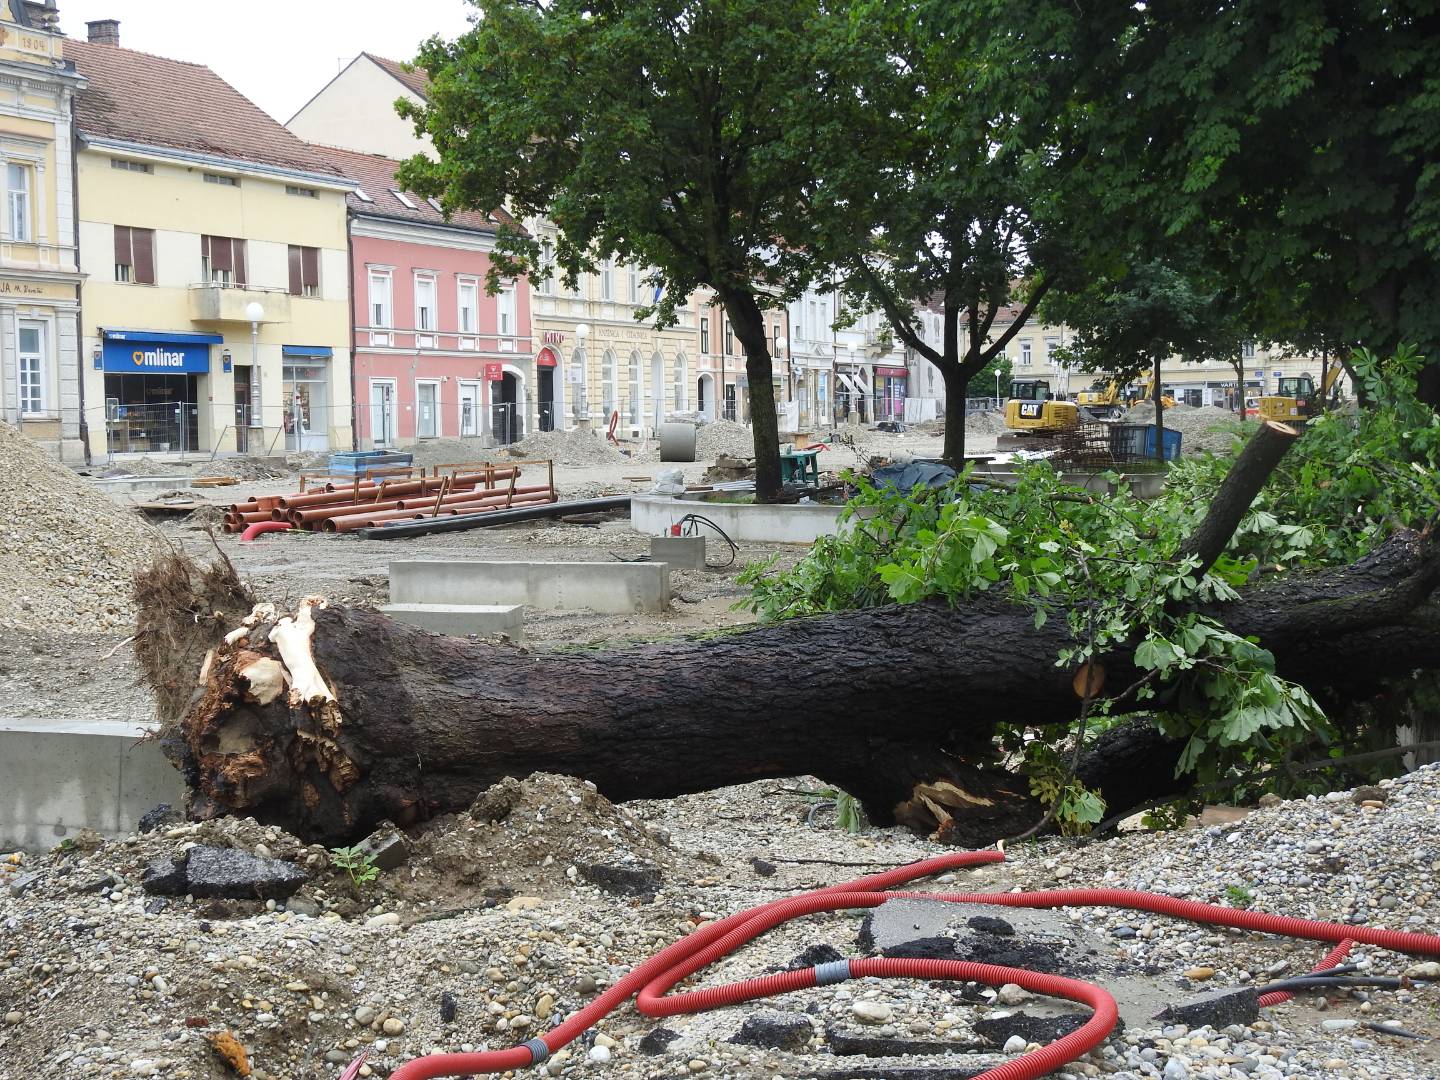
574	447
985	423
67	551
724	437
539	836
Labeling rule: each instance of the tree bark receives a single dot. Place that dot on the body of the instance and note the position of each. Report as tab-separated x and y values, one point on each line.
956	387
1157	394
749	323
896	705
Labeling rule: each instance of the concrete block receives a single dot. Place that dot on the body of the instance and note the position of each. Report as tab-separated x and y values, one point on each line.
59	778
613	588
680	552
482	620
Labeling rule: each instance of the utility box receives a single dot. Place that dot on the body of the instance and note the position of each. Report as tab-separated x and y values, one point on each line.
680	552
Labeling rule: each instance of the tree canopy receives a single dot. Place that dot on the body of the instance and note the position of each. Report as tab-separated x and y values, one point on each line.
691	137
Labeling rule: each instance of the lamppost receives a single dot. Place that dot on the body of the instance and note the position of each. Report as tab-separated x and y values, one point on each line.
255	312
997	388
582	331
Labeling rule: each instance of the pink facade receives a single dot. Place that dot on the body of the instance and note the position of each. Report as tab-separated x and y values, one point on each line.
451	370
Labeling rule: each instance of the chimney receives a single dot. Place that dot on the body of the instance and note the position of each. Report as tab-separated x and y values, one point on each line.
104	31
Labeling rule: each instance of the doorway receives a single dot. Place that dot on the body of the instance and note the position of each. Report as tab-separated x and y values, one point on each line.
242	408
152	413
469	409
657	392
427	410
382	413
545	381
504	409
307	407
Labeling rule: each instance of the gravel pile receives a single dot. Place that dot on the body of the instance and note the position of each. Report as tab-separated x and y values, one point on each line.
1206	429
67	551
100	979
574	447
985	423
724	437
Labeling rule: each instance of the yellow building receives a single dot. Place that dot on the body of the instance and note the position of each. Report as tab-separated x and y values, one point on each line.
214	243
39	276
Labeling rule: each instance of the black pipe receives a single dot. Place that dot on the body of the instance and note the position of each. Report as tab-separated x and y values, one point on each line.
1321	982
484	519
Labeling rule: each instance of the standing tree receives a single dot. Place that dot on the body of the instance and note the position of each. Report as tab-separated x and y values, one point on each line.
954	189
687	136
1305	132
1138	316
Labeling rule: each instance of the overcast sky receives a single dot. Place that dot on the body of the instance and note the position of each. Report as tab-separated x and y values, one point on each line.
278	53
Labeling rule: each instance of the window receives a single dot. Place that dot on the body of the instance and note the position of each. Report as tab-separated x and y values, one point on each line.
131	166
424	302
304	271
31	338
1025	354
680	382
360	194
1248	350
435	205
775	342
222	260
729	339
607	280
302	192
812	332
705	335
135	255
505	306
381	313
609	390
223	181
17	180
547	268
403	200
634	276
1052	344
469	305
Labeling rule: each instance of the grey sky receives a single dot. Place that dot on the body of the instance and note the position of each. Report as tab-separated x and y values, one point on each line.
276	52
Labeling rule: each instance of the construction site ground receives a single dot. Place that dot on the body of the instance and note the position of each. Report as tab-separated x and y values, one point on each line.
490	933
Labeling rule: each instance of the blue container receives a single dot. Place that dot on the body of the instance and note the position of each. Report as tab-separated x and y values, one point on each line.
1172	443
1137	441
363	462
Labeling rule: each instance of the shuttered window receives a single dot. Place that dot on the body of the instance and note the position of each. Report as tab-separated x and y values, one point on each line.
222	260
135	255
304	271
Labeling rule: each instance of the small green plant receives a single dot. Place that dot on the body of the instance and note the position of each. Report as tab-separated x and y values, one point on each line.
1239	896
356	862
849	815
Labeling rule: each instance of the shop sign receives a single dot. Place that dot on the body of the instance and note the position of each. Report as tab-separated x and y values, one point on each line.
46	290
155	358
893	372
547	358
494	372
553	337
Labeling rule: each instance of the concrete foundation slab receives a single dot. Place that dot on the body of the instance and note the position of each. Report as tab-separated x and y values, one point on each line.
56	779
680	552
796	523
482	620
609	587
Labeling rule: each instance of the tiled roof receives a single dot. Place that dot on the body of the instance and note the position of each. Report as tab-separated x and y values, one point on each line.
375	176
137	97
415	81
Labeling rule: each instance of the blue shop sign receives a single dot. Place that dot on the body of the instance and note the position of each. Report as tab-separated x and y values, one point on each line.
159	355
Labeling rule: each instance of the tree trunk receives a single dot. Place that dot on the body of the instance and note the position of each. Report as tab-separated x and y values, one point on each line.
956	387
1238	490
749	323
896	705
1157	393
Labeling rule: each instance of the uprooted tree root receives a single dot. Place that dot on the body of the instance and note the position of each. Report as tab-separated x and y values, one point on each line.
184	609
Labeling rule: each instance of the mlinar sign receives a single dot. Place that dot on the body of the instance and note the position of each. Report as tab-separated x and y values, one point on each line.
135	355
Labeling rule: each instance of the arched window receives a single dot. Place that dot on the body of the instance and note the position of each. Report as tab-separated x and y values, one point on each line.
576	379
636	390
680	402
608	384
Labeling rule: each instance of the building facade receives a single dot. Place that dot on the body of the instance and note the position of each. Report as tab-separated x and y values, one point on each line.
40	383
436	356
722	385
216	309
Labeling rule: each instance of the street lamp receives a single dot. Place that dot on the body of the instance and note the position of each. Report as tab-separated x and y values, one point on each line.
997	388
255	313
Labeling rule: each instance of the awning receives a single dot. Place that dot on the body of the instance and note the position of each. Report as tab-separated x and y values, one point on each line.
165	337
547	358
306	350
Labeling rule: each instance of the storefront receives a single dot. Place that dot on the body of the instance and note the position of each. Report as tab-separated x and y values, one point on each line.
154	384
305	396
890	383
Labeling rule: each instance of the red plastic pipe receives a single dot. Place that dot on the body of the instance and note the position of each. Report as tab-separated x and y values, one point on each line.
653	978
255	529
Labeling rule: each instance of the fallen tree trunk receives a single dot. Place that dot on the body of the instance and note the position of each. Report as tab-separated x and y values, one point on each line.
896	705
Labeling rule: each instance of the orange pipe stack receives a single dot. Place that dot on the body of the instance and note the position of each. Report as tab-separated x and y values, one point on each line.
340	507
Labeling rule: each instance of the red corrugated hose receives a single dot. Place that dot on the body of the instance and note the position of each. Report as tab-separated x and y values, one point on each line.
252	531
650	981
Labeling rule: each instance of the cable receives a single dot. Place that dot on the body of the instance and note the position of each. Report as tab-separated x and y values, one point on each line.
1322	982
691	523
650	981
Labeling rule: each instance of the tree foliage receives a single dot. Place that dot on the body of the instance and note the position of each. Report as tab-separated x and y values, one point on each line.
691	137
1110	566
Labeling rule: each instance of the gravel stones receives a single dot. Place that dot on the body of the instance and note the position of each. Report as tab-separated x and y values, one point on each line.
872	1012
68	552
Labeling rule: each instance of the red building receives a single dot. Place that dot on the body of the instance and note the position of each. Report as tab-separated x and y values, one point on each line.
436	356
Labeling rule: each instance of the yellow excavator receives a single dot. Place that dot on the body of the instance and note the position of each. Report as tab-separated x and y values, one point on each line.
1146	393
1296	400
1032	409
1103	400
